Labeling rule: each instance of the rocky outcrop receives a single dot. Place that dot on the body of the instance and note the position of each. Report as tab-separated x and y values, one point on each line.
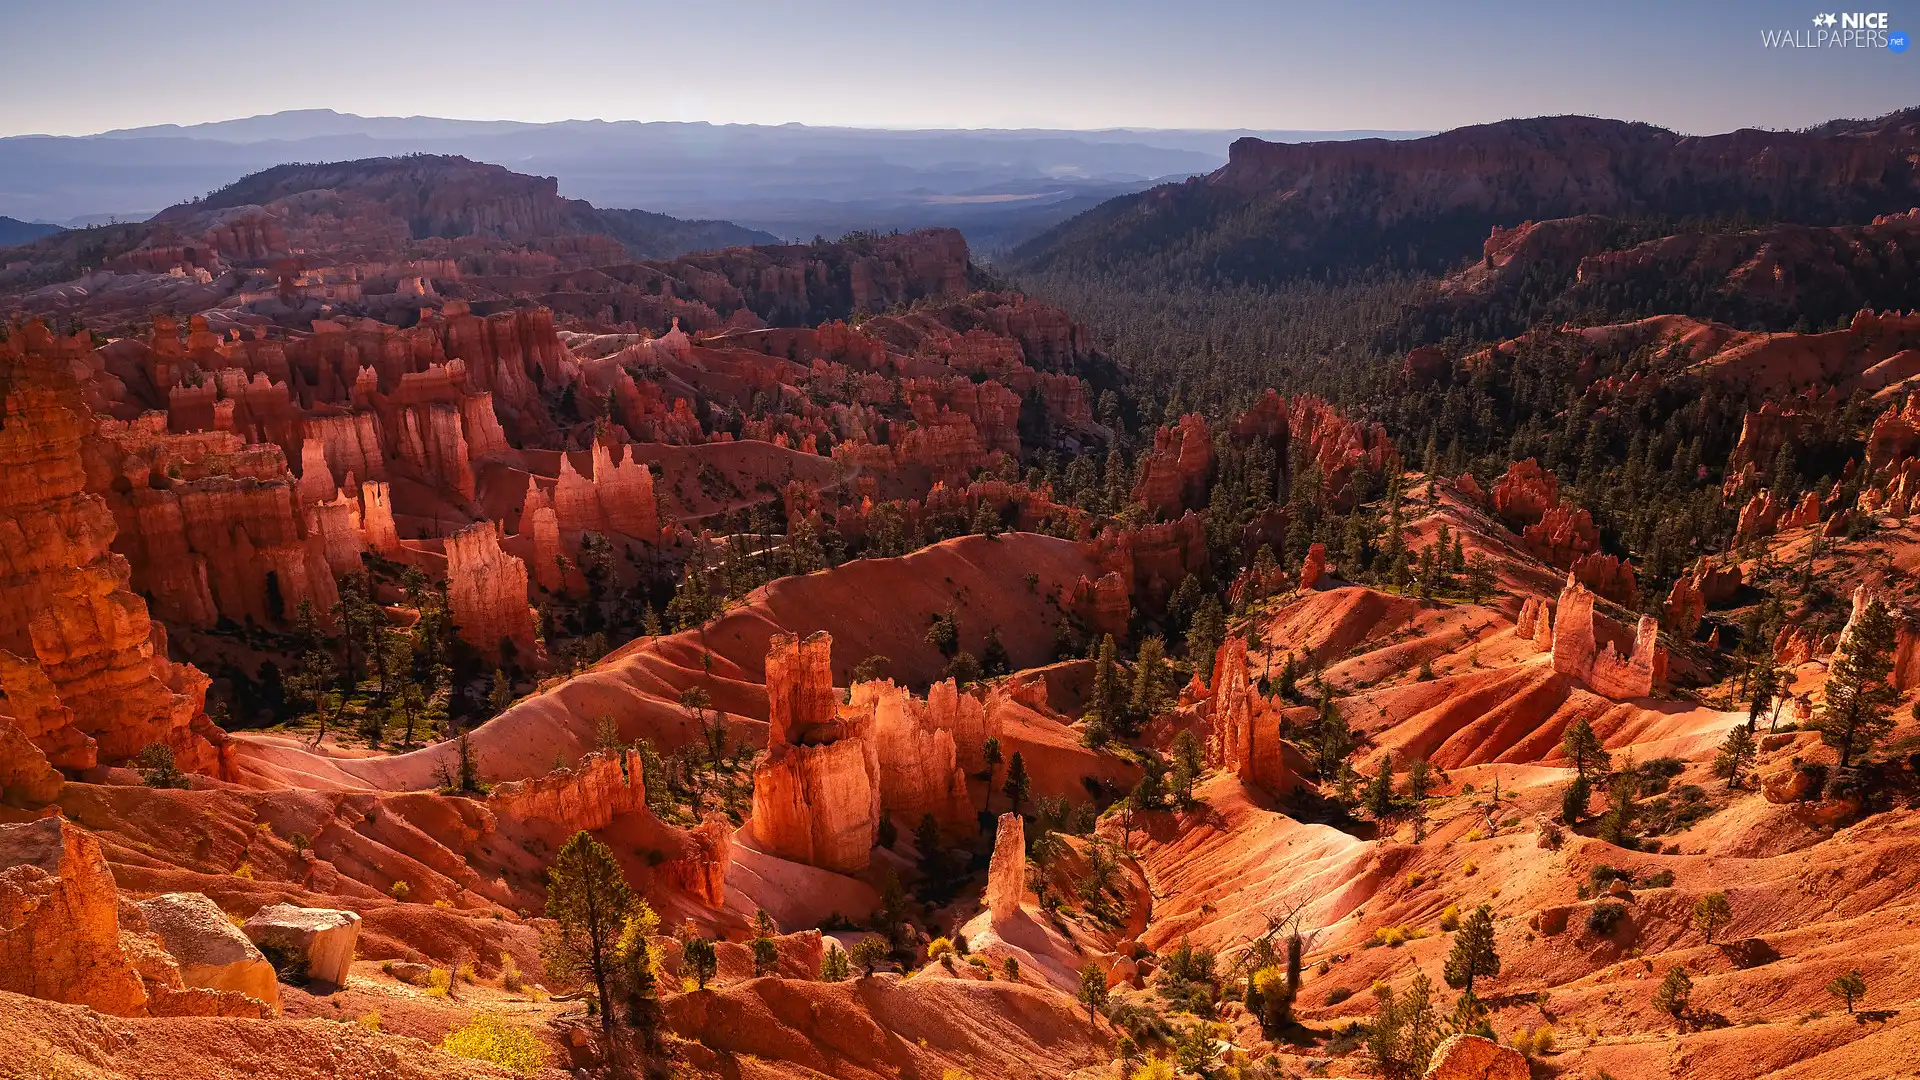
1561	536
700	870
1173	475
1007	872
919	764
487	594
65	608
589	796
1243	730
1470	1057
1608	576
59	920
816	797
1307	429
618	498
26	779
1313	567
211	951
323	937
1525	493
1577	652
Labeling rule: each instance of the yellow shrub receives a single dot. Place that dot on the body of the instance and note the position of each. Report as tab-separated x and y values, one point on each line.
1157	1068
1474	835
244	870
488	1038
439	981
509	974
1450	918
399	889
939	947
1415	879
1469	868
370	1021
444	905
1534	1043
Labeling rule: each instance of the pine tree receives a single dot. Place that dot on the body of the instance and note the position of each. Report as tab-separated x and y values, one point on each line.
1017	784
589	901
1859	694
702	957
993	655
1104	707
1712	913
1419	786
1206	633
1674	990
1093	990
1149	678
1736	753
1583	748
1850	987
1473	951
1378	800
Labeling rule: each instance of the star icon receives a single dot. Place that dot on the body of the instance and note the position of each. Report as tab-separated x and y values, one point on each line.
1828	19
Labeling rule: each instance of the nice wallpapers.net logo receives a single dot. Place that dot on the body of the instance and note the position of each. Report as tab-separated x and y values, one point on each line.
1839	30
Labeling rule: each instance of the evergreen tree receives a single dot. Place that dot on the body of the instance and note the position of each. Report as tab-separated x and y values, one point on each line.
1859	693
1712	913
1093	990
1419	786
1736	753
993	655
1204	636
1673	992
1017	784
1850	988
1583	748
1378	800
589	901
1149	678
1473	951
702	958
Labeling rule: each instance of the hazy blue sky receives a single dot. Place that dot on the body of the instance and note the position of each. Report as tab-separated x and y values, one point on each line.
75	66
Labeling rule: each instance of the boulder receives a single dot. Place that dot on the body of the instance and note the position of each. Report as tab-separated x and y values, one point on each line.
325	937
211	951
407	971
59	920
1470	1057
1620	890
1749	952
1549	921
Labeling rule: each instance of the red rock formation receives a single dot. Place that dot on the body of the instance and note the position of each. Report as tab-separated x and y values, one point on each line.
1525	494
26	779
1562	535
1470	489
1007	871
701	868
919	763
816	797
1759	518
618	498
1101	604
1244	734
1173	475
1577	652
487	593
589	796
64	604
59	920
1313	567
1608	576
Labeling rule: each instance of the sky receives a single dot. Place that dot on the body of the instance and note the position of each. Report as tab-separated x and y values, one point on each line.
1337	64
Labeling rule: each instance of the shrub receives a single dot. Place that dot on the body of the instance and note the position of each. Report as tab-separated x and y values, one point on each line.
1339	994
940	947
509	974
439	982
1661	880
488	1038
399	890
1469	868
1450	918
834	966
1415	879
1474	835
1534	1043
1156	1068
1604	917
289	960
369	1021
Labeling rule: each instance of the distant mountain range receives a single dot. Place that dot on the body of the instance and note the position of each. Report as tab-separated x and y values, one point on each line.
14	232
1277	211
1000	186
